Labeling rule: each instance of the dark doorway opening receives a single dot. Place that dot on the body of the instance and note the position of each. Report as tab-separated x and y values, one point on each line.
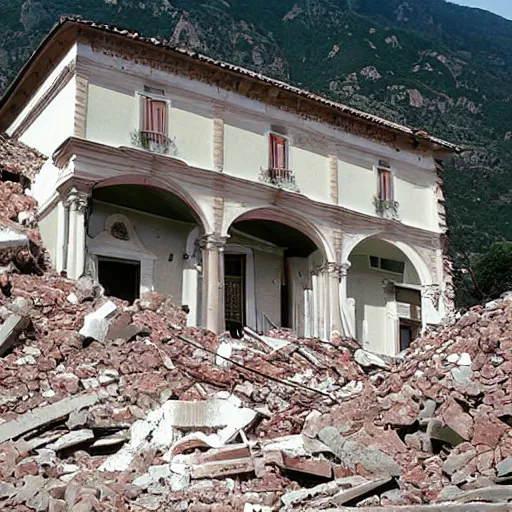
234	293
120	278
409	331
285	294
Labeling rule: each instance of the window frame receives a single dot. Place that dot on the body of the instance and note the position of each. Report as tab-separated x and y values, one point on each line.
380	269
380	168
270	136
153	97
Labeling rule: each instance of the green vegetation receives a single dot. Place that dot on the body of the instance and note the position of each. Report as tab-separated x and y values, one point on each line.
428	63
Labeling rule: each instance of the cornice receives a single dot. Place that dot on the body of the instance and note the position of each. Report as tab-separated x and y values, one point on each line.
59	83
116	162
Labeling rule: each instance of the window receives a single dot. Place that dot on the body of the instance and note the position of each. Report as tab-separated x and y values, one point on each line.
278	152
394	266
385	184
154	118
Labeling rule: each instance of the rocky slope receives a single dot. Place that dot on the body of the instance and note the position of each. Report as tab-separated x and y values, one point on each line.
427	63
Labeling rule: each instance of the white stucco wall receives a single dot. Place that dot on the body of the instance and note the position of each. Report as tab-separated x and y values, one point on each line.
159	236
45	86
356	187
111	116
366	288
48	227
311	172
374	324
245	152
55	123
416	204
268	287
194	137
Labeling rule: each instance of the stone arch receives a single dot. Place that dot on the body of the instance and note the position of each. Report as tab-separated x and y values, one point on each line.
168	186
289	218
350	242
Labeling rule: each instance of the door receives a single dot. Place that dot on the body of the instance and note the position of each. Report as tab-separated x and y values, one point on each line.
120	278
234	293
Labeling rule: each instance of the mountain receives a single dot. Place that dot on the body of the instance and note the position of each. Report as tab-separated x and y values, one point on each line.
427	63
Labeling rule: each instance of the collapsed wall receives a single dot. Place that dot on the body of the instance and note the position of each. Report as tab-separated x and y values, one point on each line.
108	406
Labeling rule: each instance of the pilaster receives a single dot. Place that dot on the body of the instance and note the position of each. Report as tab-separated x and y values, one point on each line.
333	179
212	246
76	203
218	138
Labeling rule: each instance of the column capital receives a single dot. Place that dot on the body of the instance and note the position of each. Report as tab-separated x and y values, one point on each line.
76	198
213	241
331	267
344	268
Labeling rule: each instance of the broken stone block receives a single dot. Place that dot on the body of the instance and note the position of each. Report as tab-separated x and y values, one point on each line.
221	469
437	430
108	376
459	421
57	505
70	439
10	330
351	454
44	415
96	323
456	462
322	468
504	468
345	496
462	375
367	359
152	476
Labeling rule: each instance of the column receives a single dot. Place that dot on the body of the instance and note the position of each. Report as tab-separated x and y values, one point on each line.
62	226
71	251
332	275
82	201
348	314
77	204
213	281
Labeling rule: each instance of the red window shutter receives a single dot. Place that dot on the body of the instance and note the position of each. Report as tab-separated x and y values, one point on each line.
277	152
159	117
385	192
146	107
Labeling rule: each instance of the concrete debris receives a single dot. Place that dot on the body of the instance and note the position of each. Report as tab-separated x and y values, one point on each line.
96	323
10	330
70	439
42	416
106	406
366	359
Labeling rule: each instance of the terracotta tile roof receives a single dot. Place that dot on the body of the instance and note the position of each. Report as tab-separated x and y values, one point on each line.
18	158
192	54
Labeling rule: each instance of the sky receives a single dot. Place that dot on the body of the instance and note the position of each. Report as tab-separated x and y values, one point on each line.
501	7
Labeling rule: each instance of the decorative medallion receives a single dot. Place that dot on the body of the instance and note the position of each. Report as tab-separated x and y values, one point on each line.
120	231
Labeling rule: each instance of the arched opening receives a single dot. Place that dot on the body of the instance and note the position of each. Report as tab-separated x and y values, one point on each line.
137	240
384	290
269	266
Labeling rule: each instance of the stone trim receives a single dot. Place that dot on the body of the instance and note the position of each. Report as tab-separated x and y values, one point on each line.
333	179
60	82
253	88
81	100
218	144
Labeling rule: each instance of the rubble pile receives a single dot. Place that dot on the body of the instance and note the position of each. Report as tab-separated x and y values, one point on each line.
107	406
20	242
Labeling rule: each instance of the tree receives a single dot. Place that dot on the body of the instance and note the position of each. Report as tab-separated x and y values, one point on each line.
493	270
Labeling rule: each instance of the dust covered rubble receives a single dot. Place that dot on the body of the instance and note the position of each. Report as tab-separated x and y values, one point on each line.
106	406
136	411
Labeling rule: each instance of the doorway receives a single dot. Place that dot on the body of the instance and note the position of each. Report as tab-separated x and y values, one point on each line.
409	331
234	293
120	278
